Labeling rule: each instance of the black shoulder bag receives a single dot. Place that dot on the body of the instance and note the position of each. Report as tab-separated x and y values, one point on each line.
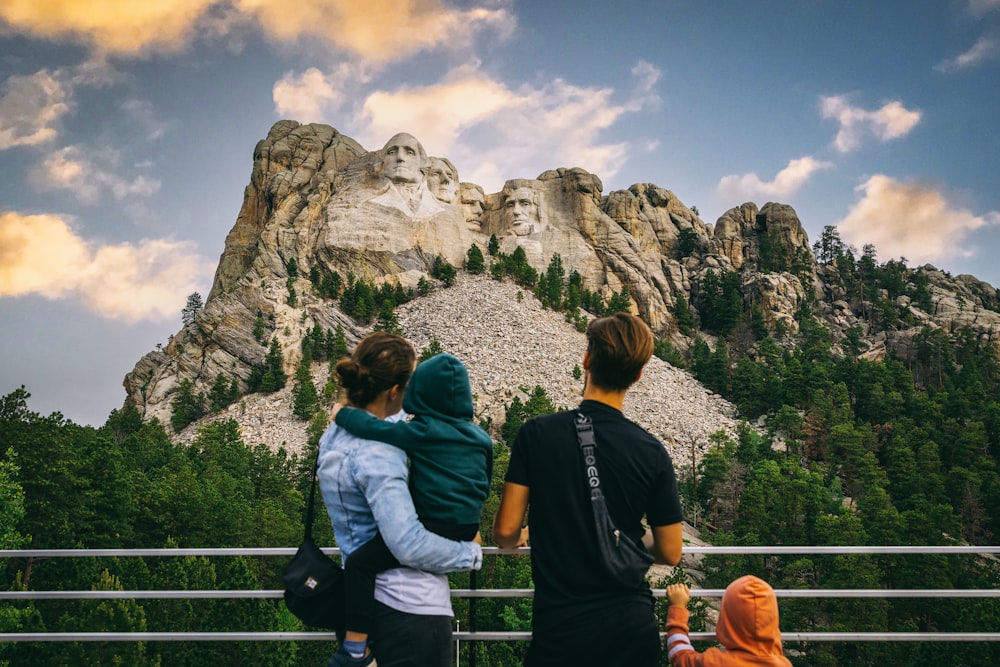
626	561
314	582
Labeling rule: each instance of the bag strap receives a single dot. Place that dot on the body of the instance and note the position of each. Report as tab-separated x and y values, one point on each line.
312	498
588	447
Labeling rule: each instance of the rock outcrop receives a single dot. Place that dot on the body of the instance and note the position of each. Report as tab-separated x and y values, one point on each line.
318	200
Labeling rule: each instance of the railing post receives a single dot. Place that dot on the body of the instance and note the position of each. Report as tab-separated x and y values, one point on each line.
472	619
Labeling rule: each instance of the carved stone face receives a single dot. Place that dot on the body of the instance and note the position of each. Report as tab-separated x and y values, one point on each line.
442	181
522	212
403	157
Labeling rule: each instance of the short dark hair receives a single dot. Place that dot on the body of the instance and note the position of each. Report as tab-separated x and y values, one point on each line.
619	347
380	361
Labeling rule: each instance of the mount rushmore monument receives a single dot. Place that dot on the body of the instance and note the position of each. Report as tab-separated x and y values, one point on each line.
317	198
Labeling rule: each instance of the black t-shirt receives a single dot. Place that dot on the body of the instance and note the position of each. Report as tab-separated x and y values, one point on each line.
637	478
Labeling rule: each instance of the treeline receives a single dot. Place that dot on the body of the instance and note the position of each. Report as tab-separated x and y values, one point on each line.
855	452
126	486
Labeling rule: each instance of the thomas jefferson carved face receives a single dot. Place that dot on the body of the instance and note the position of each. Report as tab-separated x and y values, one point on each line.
403	158
522	211
442	180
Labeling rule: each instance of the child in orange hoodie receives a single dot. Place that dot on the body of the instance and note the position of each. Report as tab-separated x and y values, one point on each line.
747	627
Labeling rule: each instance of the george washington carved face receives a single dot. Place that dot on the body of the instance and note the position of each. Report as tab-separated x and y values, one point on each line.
403	159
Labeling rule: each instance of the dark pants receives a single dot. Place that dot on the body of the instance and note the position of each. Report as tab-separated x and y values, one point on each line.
373	557
619	634
399	639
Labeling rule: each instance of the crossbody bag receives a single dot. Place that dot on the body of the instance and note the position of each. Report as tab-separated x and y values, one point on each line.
626	561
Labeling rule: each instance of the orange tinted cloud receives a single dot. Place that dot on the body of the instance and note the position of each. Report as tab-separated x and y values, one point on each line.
910	220
374	30
114	26
41	254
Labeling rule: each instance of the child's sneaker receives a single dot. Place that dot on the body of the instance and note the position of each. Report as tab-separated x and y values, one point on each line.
344	659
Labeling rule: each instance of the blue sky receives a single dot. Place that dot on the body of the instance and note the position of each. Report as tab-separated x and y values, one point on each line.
127	131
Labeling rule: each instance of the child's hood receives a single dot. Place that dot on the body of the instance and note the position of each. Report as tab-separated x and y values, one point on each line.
439	387
748	619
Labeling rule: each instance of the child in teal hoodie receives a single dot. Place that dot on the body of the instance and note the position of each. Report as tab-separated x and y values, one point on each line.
451	467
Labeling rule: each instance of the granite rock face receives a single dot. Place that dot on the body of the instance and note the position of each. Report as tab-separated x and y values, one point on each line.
317	198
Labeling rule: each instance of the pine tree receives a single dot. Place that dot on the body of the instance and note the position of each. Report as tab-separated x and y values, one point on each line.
493	246
434	347
273	377
474	260
223	392
444	271
339	350
186	406
258	327
423	286
305	399
191	309
387	320
684	316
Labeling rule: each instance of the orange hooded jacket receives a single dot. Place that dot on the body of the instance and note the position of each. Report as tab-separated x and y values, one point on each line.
747	628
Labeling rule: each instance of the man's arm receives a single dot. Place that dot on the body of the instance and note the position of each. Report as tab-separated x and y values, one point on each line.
382	474
509	519
665	543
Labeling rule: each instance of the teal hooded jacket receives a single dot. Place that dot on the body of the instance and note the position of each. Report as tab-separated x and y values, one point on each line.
451	458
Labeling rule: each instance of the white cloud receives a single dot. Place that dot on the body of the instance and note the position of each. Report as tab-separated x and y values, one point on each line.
143	112
910	220
984	49
891	121
474	119
42	254
980	7
313	95
90	174
784	184
30	107
646	76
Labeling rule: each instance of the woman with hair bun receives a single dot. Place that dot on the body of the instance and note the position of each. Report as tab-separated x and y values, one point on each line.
364	486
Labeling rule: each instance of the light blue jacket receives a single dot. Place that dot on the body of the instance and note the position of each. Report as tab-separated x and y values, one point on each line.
364	487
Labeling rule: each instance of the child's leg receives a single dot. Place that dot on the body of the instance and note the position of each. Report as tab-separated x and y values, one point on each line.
359	584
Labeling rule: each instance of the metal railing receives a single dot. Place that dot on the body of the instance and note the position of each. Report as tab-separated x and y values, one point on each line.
475	593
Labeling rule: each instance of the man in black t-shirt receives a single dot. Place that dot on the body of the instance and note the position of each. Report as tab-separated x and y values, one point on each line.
582	616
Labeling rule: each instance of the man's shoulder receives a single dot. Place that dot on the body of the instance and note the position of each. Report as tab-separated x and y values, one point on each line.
552	420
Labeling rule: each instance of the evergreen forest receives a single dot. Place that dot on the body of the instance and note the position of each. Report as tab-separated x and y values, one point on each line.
835	449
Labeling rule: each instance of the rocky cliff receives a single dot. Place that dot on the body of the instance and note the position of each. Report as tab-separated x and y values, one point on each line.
319	200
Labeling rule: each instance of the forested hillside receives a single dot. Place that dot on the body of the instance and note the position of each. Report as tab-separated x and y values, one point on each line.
846	449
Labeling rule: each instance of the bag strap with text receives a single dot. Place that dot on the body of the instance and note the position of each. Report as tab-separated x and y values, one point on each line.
588	447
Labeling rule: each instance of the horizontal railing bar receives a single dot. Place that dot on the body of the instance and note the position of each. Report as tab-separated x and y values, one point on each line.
496	551
500	593
779	551
468	636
